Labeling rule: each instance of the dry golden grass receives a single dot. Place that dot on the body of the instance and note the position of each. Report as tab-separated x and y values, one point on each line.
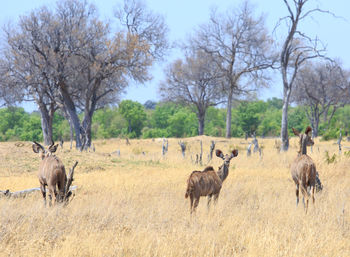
134	205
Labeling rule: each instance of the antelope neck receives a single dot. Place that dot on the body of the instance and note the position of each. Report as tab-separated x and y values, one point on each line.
223	171
303	146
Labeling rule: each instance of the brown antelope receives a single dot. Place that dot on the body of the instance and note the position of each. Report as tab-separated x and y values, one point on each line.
208	182
52	173
303	168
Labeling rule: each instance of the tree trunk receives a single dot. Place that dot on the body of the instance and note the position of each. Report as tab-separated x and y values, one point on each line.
71	134
201	118
229	114
71	111
87	122
71	130
315	124
284	123
87	127
46	124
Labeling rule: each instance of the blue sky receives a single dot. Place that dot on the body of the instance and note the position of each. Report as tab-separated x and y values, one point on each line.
182	16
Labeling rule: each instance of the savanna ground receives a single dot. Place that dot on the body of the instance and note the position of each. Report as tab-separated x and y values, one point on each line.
134	205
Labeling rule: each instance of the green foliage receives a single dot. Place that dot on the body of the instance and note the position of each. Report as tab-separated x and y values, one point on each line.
107	123
270	124
161	115
183	124
236	129
154	132
330	159
330	133
249	115
263	118
32	129
16	124
340	121
347	154
135	115
215	122
297	119
275	103
170	120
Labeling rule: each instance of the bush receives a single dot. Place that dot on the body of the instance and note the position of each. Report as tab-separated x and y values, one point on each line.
154	132
330	134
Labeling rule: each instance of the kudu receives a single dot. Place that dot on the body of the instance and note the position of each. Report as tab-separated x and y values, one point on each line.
303	168
53	174
208	182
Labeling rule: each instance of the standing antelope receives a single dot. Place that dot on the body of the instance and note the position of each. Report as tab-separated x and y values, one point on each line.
208	182
303	168
52	173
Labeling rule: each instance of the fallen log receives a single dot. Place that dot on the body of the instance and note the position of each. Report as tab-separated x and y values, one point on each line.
23	193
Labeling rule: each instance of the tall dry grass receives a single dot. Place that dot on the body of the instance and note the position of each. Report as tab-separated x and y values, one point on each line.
134	205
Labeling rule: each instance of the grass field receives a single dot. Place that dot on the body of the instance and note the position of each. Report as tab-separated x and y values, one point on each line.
134	205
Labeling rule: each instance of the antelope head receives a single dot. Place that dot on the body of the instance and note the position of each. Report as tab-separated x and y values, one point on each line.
38	148
305	139
223	169
227	157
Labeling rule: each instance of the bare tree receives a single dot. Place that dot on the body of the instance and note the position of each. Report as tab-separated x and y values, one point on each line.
322	88
239	45
297	48
76	63
194	82
24	75
111	60
44	56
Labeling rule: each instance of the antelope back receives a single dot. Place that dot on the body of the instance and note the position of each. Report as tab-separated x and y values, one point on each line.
51	169
51	166
206	182
303	166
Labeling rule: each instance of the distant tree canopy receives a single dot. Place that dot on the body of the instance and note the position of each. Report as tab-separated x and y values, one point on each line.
322	87
68	59
238	44
193	82
131	119
135	116
75	66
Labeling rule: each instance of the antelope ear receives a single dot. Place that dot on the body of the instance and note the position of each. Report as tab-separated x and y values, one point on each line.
53	148
308	130
37	147
296	132
234	153
219	153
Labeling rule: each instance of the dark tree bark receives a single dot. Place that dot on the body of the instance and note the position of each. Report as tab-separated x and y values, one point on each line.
46	122
73	116
201	119
238	44
321	88
229	114
297	48
193	82
77	58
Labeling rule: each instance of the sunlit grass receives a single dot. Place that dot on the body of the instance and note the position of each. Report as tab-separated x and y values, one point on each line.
134	205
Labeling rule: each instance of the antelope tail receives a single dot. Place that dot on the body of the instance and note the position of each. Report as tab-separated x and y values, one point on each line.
189	188
304	191
188	191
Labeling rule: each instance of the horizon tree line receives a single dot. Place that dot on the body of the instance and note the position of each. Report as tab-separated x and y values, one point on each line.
68	59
